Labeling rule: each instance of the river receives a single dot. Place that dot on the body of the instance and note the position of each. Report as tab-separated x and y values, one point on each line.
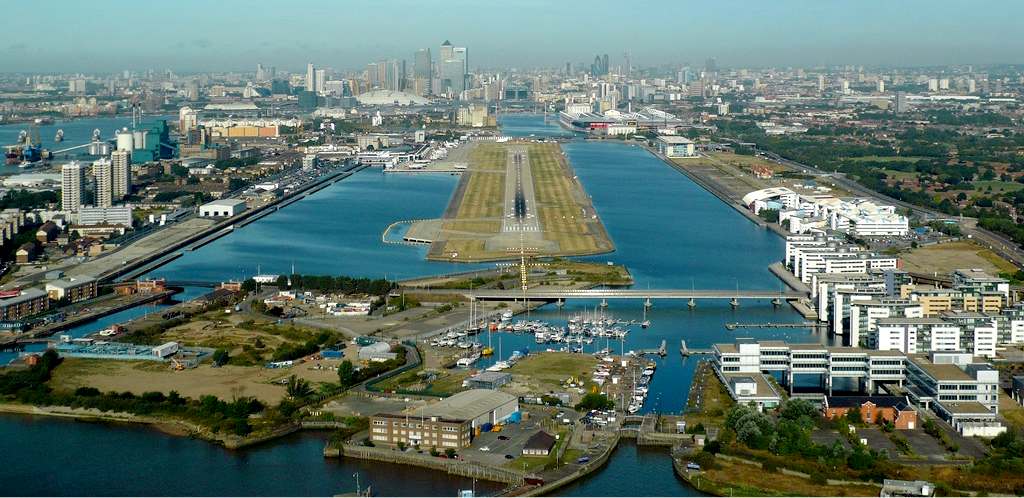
76	132
668	231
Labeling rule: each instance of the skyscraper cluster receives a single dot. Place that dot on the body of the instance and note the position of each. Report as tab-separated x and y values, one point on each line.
454	69
113	181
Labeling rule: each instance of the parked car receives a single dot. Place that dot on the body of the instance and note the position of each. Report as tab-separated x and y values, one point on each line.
582	460
485	448
509	457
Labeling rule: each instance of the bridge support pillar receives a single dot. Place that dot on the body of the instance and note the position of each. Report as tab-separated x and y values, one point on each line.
560	303
735	303
692	303
648	303
604	303
776	302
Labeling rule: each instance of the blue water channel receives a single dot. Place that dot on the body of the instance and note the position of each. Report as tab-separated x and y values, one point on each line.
76	132
668	231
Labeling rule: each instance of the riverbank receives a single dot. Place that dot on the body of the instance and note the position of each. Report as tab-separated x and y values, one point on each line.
169	426
124	264
733	476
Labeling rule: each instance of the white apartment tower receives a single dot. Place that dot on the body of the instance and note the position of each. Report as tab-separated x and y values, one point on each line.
103	172
310	78
121	177
72	186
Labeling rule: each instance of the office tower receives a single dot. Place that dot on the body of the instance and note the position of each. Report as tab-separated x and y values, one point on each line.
454	65
901	103
72	184
844	86
944	84
261	74
310	78
320	80
423	72
121	174
595	68
192	90
568	68
881	86
821	83
971	86
101	169
447	51
604	64
933	85
371	75
711	65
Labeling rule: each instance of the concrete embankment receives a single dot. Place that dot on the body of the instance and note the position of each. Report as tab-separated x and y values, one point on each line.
590	467
719	191
131	269
453	467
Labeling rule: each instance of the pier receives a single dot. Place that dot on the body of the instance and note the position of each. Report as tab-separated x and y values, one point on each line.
661	351
685	351
770	325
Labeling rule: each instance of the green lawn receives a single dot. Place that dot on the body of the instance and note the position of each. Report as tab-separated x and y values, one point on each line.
888	159
997	186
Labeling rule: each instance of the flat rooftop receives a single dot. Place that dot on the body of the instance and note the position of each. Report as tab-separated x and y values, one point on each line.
939	371
764	389
467	405
966	408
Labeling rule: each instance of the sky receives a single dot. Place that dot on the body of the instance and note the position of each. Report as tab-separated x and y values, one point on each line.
205	35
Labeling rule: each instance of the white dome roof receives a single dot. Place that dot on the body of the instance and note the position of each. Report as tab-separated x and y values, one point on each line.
390	97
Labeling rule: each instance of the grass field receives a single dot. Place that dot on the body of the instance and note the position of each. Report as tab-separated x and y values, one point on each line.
944	258
561	216
740	479
547	371
997	186
141	376
569	226
888	159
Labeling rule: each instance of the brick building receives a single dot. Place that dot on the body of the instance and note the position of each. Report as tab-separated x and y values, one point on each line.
873	409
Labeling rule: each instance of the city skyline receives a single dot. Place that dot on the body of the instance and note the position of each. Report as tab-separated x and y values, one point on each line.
913	33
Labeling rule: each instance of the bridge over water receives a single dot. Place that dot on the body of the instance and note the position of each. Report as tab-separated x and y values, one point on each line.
562	294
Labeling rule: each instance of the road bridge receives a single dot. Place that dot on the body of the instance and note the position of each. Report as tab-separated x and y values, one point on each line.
562	294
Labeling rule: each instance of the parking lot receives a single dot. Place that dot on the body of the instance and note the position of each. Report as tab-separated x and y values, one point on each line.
924	445
509	441
828	437
878	440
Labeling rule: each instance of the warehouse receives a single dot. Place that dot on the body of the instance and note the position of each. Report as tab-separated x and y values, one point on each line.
223	208
449	423
477	406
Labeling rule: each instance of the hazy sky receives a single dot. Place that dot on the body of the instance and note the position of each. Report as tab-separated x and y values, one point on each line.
111	35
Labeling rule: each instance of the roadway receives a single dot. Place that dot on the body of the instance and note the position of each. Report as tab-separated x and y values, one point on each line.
554	294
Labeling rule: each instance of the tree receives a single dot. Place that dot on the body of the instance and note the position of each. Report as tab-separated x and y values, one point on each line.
220	357
450	453
346	374
298	388
595	401
799	410
179	171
